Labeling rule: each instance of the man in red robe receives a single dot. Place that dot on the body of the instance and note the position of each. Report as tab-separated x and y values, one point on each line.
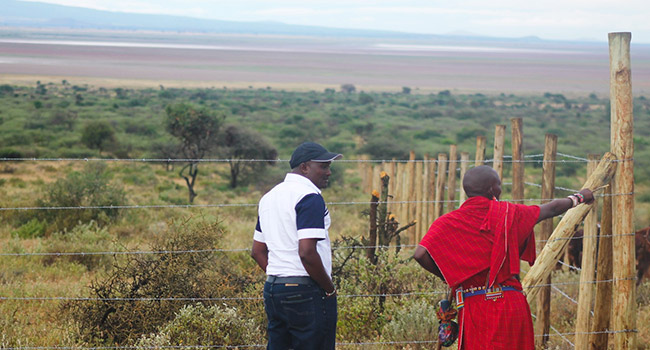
476	250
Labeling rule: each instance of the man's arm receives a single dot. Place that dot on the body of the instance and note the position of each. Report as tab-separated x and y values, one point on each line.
425	260
260	253
313	264
561	205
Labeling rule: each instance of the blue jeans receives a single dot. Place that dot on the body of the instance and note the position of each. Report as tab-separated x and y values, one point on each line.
300	317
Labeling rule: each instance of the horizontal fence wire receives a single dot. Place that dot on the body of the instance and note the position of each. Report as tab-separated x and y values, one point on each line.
342	344
230	205
507	159
373	295
218	250
222	250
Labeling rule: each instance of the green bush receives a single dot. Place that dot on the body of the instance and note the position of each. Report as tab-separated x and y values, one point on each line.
202	325
33	228
87	238
413	320
197	274
89	188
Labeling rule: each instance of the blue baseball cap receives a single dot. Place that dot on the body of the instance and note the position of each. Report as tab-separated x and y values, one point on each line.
311	151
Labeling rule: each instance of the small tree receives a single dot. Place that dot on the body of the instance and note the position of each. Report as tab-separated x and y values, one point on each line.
238	145
98	135
197	128
348	88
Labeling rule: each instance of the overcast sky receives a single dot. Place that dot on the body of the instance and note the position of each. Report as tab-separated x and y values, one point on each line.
549	19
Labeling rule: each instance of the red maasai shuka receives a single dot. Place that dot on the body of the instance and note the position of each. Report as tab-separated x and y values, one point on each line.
487	235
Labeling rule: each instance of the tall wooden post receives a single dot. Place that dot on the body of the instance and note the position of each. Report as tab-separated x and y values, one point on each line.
543	321
451	181
419	206
480	150
464	164
377	168
401	190
499	144
603	303
440	185
363	172
517	160
427	195
392	170
431	185
588	271
624	315
411	196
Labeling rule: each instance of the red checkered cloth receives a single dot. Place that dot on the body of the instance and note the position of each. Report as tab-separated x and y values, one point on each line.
464	243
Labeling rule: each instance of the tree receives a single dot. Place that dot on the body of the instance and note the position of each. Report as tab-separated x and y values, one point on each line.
348	88
98	135
239	145
197	128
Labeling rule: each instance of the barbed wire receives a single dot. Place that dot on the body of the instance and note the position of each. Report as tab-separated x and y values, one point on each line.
374	295
506	159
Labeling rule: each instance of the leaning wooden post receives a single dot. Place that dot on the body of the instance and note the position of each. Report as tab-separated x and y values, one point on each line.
556	244
603	303
464	164
451	179
440	185
480	150
624	306
586	290
517	160
419	206
543	321
499	144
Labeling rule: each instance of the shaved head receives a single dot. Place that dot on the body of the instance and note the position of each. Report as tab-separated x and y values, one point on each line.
482	181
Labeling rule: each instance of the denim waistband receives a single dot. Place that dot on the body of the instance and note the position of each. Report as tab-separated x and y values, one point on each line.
290	279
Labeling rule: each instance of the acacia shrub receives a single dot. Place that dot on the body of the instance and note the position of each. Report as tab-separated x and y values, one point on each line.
88	188
143	292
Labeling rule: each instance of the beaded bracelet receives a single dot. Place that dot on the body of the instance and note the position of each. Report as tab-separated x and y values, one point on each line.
574	200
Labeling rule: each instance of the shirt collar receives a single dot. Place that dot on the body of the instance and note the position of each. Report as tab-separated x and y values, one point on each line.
291	177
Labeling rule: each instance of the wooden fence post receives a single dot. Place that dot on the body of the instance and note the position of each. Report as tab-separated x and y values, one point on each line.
543	321
427	195
451	181
392	171
588	271
480	150
603	303
377	168
440	185
411	196
418	200
556	244
464	164
363	172
431	183
622	145
402	189
517	160
499	145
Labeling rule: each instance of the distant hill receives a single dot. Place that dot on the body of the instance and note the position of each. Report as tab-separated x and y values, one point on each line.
36	14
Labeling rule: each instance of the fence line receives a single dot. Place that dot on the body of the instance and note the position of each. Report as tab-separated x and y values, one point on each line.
227	205
217	250
573	159
129	347
261	298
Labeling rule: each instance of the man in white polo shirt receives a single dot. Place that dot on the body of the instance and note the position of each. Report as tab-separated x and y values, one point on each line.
291	244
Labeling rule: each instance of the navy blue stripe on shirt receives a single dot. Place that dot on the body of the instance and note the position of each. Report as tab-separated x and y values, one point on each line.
311	211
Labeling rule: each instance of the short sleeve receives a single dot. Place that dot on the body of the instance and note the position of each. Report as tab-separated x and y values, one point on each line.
258	235
310	217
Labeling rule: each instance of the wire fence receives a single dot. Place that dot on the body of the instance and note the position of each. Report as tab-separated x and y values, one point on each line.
507	159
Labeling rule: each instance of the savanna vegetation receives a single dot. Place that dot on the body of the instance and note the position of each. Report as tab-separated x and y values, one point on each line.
113	151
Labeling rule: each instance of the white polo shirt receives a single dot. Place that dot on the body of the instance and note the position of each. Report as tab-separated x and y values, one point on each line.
293	210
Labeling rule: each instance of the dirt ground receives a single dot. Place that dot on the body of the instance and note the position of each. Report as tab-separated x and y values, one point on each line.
302	64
